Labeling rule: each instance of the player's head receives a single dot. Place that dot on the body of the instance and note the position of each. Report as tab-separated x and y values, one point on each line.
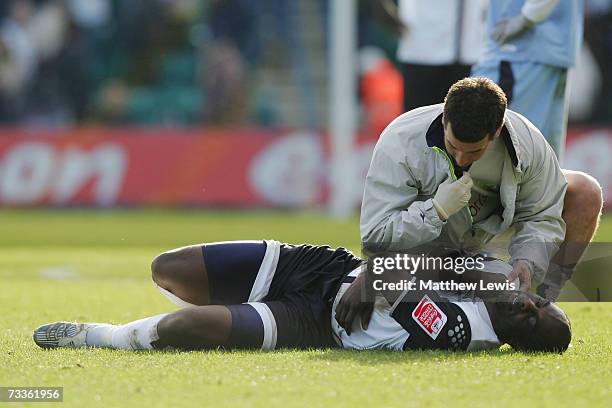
530	323
474	111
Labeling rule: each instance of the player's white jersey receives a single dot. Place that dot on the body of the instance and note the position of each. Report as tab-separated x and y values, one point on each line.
483	336
384	331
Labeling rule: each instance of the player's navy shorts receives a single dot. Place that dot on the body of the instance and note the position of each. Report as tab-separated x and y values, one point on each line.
279	295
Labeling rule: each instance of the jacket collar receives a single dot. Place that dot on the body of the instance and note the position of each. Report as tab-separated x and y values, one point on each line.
435	138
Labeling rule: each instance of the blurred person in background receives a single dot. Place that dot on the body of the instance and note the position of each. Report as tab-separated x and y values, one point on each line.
223	78
225	57
235	22
149	62
531	45
598	35
382	92
151	75
59	92
44	80
437	44
129	61
18	61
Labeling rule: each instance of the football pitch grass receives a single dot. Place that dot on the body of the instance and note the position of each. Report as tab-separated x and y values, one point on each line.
94	266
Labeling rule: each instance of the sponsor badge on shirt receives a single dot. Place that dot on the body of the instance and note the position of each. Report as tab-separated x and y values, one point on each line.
429	316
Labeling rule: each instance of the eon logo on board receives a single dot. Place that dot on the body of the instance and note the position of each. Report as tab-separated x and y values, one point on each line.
39	173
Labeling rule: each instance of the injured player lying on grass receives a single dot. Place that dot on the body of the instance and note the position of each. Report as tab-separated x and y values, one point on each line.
268	295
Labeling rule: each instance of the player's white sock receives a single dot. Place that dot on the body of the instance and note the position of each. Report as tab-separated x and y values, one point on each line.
137	335
99	334
173	298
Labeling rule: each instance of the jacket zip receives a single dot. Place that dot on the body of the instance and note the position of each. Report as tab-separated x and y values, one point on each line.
454	177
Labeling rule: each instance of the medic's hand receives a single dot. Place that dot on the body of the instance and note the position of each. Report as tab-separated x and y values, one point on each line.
453	196
509	28
354	303
521	270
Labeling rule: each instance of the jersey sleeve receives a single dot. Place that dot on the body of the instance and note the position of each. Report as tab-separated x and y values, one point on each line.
540	228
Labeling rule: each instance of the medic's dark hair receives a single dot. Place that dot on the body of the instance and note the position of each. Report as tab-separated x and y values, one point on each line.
475	109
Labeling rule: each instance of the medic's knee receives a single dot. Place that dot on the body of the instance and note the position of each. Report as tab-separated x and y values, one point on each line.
586	191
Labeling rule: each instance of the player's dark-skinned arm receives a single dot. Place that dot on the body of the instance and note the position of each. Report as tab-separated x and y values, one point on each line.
357	302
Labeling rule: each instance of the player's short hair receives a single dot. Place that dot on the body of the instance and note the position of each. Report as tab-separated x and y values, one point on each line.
475	108
556	340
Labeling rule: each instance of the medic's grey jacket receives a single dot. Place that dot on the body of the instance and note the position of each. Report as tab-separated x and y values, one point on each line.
408	165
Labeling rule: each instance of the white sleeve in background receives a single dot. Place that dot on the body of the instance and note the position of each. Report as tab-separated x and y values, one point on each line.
538	10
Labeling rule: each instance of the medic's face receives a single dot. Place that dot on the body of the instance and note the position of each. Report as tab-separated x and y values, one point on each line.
464	153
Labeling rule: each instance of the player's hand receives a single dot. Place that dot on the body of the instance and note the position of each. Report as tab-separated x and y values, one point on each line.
452	196
354	304
522	271
510	28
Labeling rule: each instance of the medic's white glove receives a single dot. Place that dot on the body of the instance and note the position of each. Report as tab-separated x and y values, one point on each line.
452	196
509	28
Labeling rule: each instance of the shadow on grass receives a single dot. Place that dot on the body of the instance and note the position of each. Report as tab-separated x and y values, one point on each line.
386	357
362	357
